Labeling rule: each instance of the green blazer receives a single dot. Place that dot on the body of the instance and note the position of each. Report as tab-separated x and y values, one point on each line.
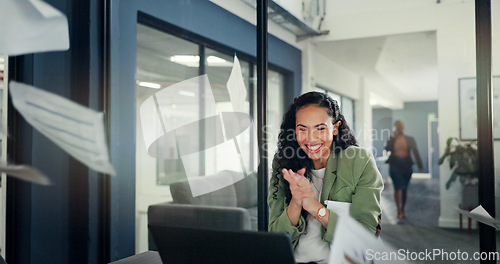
351	176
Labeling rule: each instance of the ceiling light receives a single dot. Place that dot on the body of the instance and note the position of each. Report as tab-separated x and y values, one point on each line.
186	93
149	85
194	61
186	60
215	61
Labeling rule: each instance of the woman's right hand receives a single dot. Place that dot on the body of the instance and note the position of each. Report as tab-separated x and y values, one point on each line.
300	187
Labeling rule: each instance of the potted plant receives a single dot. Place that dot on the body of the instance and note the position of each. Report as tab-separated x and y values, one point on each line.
462	158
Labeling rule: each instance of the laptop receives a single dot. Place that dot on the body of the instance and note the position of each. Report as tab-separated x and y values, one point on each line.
179	245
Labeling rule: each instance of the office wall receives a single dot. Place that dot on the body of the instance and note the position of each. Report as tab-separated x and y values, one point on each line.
382	129
293	6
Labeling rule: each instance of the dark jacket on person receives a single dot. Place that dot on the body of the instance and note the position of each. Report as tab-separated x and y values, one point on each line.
411	147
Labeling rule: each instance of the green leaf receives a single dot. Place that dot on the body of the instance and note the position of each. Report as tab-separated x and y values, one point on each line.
453	158
448	142
444	156
451	180
462	158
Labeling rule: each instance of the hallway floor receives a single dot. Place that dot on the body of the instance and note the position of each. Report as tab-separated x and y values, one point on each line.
419	231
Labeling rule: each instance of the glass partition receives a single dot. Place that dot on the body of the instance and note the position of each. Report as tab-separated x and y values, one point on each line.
189	128
3	149
275	111
159	66
379	74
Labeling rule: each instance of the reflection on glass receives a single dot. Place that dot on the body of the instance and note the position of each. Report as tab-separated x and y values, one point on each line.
218	69
275	95
188	130
162	60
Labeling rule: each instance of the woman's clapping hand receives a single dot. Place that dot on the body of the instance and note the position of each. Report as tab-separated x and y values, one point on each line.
300	187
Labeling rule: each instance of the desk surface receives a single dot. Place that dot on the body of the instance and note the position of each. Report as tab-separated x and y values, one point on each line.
148	257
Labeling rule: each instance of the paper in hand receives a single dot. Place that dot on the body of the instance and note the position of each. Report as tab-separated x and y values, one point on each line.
340	208
30	26
25	173
76	129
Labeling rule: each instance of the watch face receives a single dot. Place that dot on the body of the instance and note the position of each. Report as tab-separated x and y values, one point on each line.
322	212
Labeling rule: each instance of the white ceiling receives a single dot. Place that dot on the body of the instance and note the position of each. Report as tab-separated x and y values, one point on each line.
405	63
396	66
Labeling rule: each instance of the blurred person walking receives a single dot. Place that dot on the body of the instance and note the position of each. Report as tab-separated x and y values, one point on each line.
400	164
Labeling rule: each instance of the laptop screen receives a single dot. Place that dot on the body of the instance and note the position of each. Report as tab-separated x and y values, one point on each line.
194	245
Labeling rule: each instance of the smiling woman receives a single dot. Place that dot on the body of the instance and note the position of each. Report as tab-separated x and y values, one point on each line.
315	132
318	159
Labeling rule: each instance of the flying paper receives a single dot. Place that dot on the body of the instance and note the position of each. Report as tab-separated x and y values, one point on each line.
236	87
353	244
30	26
238	94
76	129
25	173
480	215
340	208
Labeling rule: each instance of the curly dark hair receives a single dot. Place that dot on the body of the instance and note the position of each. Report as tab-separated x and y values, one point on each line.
289	154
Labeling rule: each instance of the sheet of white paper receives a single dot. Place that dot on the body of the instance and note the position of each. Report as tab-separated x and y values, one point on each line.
352	243
480	215
236	88
30	26
76	129
340	208
481	211
25	173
